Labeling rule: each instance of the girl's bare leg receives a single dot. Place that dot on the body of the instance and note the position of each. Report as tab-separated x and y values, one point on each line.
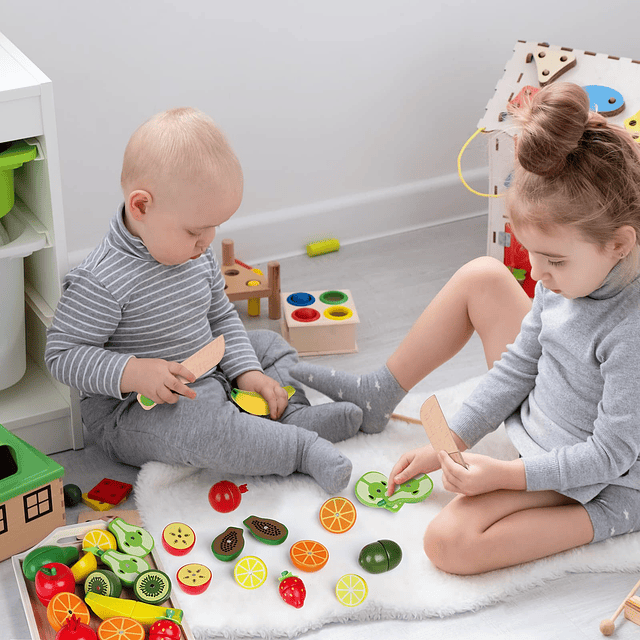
475	534
483	296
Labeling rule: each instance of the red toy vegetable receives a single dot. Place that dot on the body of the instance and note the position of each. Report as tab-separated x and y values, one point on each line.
225	496
73	629
52	578
164	629
292	589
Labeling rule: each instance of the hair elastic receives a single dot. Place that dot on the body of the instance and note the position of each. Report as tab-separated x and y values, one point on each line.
464	146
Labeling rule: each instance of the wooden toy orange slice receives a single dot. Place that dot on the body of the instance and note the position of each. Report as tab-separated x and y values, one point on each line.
309	555
120	628
62	606
337	515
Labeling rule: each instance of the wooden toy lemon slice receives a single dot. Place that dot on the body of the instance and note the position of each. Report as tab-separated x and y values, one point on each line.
337	515
351	590
100	538
250	572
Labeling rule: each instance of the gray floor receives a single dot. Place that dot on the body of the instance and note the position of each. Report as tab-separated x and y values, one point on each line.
391	280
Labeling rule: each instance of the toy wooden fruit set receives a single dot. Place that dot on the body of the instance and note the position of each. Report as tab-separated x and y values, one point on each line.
103	609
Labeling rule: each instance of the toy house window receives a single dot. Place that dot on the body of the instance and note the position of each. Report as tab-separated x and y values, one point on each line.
4	527
37	504
8	465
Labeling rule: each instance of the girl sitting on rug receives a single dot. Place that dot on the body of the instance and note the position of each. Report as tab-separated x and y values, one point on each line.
563	369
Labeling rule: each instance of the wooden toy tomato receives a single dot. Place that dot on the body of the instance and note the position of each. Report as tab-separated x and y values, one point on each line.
224	496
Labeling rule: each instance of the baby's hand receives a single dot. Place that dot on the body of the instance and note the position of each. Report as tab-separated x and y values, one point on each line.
157	379
411	464
268	388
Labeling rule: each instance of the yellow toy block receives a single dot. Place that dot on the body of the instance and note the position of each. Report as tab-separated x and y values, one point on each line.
96	505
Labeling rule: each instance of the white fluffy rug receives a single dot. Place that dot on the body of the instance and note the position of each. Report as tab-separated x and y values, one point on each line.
414	590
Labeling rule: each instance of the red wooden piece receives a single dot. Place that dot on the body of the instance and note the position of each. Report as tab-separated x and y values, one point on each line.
517	259
111	491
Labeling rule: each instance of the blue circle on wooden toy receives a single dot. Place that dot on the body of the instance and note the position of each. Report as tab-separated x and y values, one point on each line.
603	99
301	299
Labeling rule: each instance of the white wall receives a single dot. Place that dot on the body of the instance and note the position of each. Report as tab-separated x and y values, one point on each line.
347	115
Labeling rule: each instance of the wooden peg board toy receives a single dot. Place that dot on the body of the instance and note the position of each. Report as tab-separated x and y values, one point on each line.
435	424
320	322
614	87
245	283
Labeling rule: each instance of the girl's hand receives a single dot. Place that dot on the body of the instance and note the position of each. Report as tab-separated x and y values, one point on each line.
157	379
268	388
411	464
485	474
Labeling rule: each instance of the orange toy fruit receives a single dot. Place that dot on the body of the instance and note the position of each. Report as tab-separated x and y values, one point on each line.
337	515
121	629
309	555
62	606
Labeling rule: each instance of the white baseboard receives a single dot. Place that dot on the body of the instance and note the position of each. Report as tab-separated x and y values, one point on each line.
274	235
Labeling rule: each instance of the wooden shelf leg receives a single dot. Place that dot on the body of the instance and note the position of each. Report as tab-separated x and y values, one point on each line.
274	284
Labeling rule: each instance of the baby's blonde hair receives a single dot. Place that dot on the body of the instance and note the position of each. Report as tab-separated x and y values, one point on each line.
181	143
573	167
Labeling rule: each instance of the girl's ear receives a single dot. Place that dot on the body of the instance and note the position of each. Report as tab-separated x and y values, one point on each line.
624	241
138	202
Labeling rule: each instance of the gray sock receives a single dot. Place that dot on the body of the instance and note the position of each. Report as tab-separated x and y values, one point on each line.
325	464
377	393
334	421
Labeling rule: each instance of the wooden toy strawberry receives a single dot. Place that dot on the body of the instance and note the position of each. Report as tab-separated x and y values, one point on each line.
292	589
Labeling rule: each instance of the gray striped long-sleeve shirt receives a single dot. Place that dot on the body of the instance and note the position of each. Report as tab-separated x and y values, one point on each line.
120	302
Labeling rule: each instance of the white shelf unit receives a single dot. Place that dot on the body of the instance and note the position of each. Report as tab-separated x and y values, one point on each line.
37	409
621	74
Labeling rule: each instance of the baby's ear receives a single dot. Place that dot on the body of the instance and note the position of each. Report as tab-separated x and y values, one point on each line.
138	202
625	240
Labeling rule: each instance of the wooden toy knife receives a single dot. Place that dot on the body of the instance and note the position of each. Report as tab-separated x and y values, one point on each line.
438	432
199	363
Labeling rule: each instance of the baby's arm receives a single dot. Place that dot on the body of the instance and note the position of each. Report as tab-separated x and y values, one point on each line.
85	318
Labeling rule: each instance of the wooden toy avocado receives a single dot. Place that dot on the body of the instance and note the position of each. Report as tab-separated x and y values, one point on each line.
380	556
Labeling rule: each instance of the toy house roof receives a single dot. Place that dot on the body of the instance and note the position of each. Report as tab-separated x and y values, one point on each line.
620	74
23	467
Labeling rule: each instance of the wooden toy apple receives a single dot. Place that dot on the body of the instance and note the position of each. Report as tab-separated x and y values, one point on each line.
178	538
194	578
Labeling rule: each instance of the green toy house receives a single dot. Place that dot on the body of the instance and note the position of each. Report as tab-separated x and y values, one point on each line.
31	495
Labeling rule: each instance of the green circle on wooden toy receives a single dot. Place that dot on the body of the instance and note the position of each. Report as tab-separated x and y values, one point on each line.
72	495
152	587
333	297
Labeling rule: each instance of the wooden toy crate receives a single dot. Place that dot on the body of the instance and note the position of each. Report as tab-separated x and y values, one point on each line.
320	322
72	535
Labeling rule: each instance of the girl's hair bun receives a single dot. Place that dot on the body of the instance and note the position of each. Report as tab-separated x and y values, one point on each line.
552	123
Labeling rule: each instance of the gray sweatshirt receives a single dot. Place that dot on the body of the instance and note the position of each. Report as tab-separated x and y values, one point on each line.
568	390
120	302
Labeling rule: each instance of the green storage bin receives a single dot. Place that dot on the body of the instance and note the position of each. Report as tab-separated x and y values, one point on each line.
12	158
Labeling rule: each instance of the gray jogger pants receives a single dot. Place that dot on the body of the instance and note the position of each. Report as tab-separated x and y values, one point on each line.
210	431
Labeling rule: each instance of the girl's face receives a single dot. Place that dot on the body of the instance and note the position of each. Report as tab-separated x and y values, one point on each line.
564	262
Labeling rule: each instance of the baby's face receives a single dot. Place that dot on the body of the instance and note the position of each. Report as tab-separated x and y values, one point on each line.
181	223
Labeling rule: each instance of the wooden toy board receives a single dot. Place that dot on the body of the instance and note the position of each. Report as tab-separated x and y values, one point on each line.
621	74
331	329
36	613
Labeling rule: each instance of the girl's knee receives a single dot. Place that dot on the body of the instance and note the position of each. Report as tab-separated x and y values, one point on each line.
484	270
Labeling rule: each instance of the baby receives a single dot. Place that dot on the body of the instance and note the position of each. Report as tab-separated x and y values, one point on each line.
152	294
